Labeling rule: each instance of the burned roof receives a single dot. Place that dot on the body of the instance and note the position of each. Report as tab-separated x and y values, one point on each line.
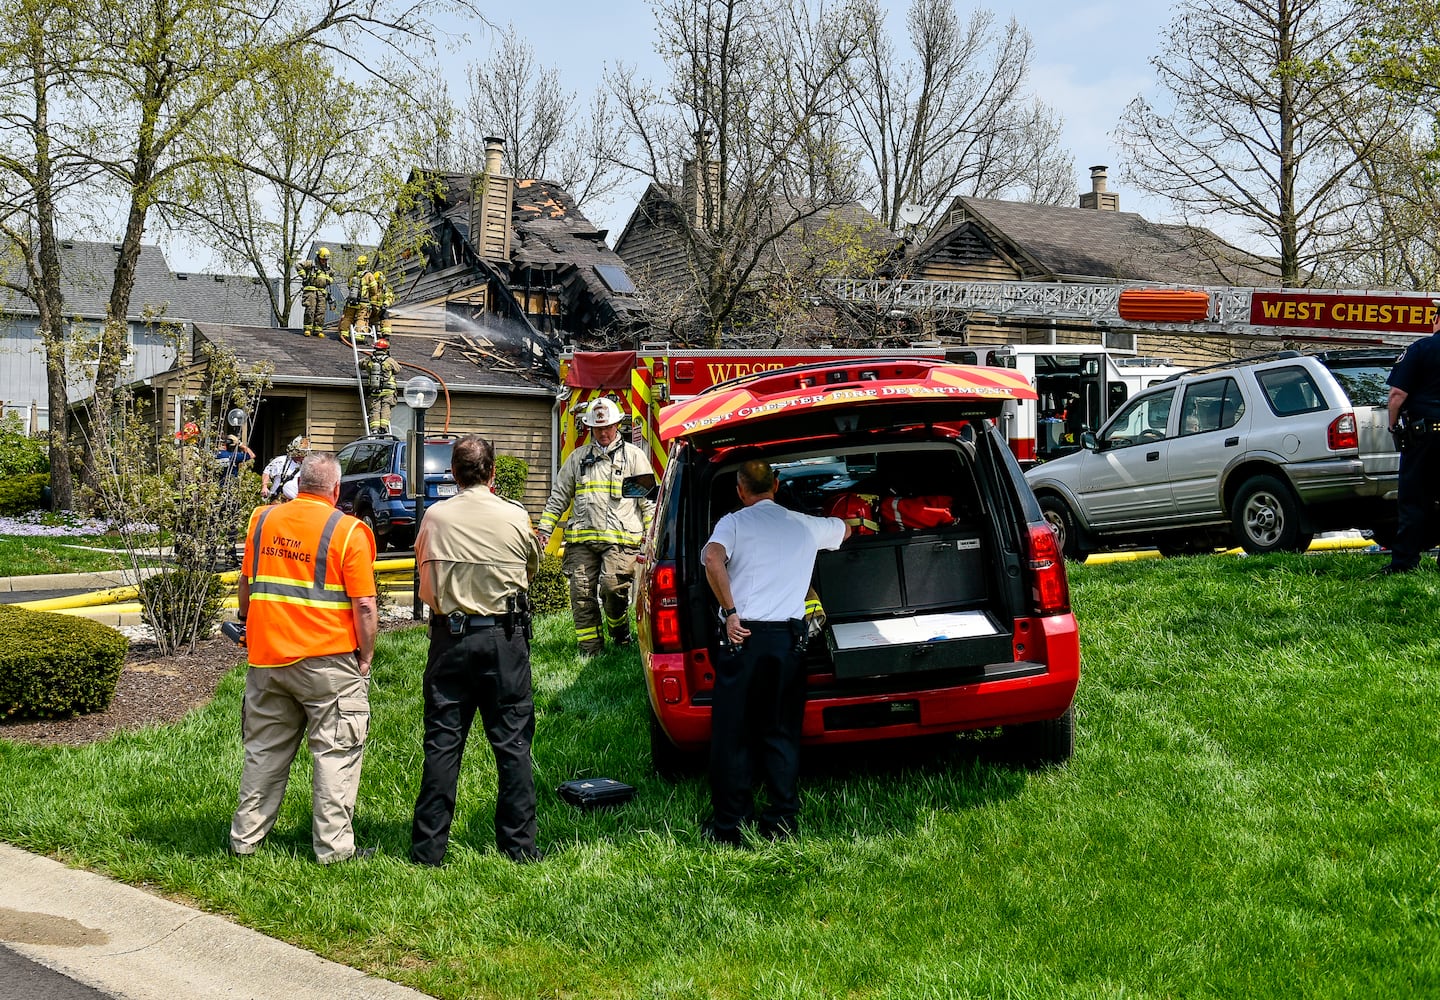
552	243
463	363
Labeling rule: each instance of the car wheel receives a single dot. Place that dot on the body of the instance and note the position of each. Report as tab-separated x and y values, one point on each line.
1062	522
669	761
1266	517
1045	743
369	522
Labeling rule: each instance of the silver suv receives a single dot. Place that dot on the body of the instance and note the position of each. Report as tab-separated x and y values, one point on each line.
1263	453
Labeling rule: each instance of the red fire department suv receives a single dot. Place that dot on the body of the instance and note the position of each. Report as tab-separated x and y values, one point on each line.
956	619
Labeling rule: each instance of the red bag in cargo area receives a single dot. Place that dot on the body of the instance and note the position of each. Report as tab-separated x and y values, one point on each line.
856	510
903	513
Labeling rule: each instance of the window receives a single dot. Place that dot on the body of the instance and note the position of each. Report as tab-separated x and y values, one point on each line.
1365	382
615	279
1290	391
1211	405
1143	421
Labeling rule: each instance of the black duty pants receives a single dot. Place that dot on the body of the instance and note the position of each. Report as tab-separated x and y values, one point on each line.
1419	489
758	708
488	671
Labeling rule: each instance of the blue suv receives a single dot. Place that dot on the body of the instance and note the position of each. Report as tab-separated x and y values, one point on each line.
372	485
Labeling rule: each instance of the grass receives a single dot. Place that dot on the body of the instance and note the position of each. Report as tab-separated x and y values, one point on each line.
34	556
1251	811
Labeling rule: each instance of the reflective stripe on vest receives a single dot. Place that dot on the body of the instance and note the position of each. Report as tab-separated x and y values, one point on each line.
284	590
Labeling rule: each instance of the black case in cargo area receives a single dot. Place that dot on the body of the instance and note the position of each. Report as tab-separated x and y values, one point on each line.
919	586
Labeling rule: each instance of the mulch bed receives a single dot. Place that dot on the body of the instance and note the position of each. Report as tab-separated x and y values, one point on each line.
152	689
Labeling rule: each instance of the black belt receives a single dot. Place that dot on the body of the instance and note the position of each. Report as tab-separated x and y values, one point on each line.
472	623
786	625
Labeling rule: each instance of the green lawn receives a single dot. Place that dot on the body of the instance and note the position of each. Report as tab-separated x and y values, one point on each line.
33	556
1252	811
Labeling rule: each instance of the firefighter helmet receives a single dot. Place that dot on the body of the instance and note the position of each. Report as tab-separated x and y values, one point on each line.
381	344
299	445
602	413
188	433
323	254
362	261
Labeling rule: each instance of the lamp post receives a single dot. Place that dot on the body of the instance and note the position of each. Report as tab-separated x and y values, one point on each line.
420	395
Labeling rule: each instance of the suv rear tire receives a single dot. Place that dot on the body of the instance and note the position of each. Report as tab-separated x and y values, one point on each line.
1266	517
1045	743
369	522
669	761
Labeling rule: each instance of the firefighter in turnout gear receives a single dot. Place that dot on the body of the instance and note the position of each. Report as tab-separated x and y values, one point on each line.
376	298
315	293
351	316
605	530
381	371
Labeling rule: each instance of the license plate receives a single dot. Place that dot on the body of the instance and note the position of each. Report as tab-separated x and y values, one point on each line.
445	490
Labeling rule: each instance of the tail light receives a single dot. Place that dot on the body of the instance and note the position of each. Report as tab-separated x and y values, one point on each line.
1342	434
1049	589
663	599
394	484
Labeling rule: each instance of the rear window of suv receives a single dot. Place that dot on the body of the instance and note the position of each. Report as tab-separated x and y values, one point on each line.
1290	391
1365	382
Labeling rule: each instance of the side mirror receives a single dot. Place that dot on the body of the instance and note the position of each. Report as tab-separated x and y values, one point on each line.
641	487
1089	442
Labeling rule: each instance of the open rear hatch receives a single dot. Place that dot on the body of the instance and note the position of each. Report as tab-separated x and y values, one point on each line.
841	398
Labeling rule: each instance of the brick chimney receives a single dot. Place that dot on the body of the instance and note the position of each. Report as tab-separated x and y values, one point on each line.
1097	197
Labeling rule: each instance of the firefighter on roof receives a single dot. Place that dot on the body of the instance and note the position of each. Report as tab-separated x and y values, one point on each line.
376	298
315	293
381	371
605	530
352	316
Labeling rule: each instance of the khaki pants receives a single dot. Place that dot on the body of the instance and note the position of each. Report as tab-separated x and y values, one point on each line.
608	569
382	401
327	696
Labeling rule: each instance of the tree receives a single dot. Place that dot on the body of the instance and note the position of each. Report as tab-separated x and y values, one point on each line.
514	98
40	164
291	153
737	140
158	70
1252	124
953	118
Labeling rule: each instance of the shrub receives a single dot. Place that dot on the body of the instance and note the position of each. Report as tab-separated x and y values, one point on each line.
22	494
511	474
20	454
182	604
549	591
56	665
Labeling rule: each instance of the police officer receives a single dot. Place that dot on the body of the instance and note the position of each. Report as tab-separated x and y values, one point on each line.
381	374
603	537
758	563
477	556
1415	397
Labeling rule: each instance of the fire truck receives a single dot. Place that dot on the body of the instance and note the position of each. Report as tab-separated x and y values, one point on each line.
1079	386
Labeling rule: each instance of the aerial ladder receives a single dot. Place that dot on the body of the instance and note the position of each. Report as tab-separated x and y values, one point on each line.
1360	316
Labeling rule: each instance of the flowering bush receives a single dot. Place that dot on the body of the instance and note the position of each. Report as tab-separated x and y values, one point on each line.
20	454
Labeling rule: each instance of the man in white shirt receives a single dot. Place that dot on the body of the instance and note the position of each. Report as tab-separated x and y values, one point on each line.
758	562
280	480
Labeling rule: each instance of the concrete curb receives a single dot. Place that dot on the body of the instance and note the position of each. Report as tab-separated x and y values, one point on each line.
126	942
72	581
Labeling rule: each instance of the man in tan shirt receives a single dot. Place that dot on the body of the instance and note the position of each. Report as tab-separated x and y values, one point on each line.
477	555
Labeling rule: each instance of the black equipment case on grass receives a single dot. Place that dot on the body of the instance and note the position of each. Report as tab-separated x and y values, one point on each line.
592	793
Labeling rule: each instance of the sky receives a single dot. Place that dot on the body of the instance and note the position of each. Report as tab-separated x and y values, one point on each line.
1089	61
